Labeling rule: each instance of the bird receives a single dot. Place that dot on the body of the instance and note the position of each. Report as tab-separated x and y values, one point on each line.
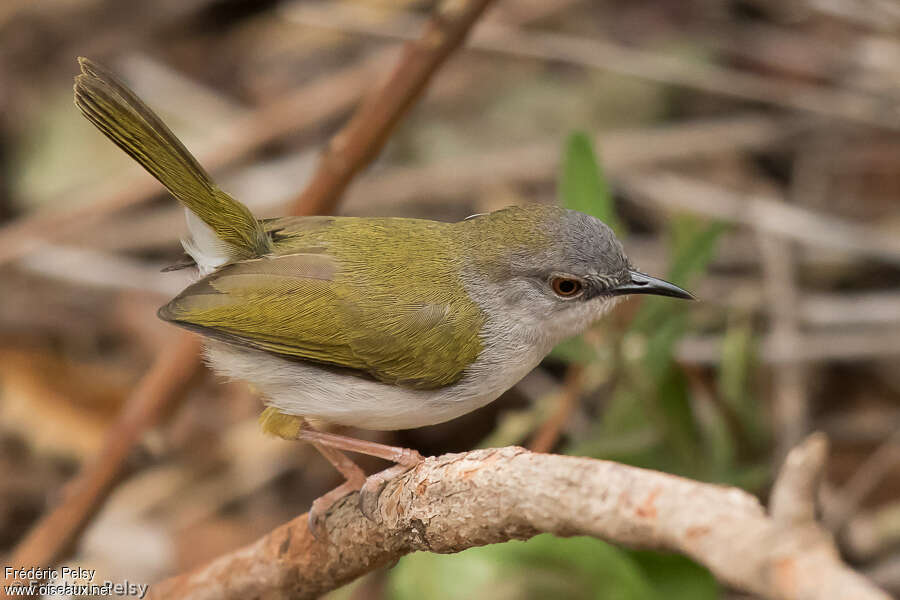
375	323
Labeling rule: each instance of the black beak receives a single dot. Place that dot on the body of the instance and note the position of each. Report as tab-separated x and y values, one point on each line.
644	284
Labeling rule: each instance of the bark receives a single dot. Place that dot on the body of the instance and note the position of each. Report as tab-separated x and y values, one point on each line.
458	501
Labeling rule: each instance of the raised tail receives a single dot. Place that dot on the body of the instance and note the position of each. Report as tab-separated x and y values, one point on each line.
117	112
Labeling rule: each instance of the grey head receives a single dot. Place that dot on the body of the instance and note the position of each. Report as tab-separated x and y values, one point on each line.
551	270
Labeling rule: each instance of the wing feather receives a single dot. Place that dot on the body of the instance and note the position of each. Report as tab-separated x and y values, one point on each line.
298	306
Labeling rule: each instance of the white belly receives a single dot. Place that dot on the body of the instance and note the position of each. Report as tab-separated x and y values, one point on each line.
304	389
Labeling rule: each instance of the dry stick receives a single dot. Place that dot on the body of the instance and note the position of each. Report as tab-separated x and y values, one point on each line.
307	106
886	572
539	162
357	144
766	213
156	392
790	409
175	366
310	105
873	471
880	307
550	430
880	16
458	501
442	181
643	64
101	270
872	534
812	346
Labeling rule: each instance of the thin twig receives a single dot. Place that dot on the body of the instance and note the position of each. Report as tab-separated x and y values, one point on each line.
175	366
864	481
310	105
354	147
156	392
618	58
463	177
533	163
546	437
763	212
102	270
790	404
812	346
459	501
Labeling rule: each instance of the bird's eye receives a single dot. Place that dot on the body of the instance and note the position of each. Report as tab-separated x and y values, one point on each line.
566	287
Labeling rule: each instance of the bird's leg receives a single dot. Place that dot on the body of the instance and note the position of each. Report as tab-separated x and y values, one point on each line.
355	479
293	427
370	489
402	456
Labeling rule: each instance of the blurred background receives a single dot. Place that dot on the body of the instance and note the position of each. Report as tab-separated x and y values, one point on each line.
746	149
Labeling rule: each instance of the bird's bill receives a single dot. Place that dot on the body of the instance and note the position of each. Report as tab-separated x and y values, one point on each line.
645	284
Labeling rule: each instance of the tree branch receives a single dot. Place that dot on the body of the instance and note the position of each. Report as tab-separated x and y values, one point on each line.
354	147
458	501
157	391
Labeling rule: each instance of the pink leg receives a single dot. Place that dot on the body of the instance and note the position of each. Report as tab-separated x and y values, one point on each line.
330	446
340	461
403	456
355	479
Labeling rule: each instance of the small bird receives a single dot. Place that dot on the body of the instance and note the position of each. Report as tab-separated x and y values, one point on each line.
376	323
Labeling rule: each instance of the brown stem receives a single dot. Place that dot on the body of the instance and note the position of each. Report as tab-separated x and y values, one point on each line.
158	390
458	501
164	383
354	147
310	105
550	430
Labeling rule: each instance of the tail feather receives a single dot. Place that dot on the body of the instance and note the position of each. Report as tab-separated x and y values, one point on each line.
122	117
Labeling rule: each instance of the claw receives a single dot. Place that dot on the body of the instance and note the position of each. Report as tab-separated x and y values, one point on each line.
315	521
368	497
370	492
370	488
321	505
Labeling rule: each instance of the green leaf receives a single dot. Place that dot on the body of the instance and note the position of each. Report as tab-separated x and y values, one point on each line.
578	568
694	248
673	400
658	327
583	186
735	382
545	566
676	577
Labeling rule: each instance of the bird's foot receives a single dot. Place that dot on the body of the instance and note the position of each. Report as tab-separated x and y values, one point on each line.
321	505
330	446
371	490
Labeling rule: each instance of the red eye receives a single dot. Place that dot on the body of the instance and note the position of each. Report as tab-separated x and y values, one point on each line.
566	287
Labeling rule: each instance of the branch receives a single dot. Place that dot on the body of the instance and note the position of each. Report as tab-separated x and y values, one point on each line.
354	147
156	392
552	428
594	52
764	213
458	501
316	102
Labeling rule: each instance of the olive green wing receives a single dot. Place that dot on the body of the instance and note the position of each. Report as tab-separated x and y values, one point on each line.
300	306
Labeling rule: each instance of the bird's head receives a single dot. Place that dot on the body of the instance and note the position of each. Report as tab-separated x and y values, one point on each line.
555	269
